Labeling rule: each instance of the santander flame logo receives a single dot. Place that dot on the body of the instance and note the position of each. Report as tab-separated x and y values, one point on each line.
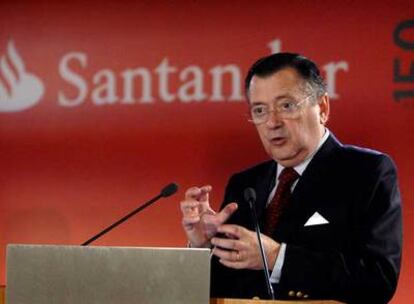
19	89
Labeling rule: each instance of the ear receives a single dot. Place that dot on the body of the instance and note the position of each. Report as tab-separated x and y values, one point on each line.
324	109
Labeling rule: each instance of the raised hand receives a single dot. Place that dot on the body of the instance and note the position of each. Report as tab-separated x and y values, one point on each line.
200	221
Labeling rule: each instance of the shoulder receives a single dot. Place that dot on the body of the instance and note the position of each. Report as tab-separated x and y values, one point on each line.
352	157
339	163
359	166
365	158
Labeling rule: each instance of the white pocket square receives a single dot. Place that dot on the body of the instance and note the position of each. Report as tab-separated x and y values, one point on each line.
316	219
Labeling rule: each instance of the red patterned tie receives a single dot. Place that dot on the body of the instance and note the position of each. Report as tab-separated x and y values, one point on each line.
281	199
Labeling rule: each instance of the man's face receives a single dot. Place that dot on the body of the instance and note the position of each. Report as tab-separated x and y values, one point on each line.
289	141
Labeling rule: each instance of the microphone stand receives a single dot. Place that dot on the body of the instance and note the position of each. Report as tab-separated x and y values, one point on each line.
250	197
165	192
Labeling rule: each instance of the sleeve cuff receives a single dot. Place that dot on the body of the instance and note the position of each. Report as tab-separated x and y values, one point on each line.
277	269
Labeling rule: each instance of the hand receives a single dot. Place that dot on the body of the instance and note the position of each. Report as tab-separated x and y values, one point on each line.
199	221
241	249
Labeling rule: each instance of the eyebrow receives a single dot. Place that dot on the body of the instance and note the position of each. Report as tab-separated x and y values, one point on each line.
277	98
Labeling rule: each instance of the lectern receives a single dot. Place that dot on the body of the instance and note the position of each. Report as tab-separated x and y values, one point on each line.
2	294
42	274
47	274
228	301
253	301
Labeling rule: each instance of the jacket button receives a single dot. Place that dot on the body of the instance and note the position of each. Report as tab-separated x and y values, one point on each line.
291	293
299	294
305	296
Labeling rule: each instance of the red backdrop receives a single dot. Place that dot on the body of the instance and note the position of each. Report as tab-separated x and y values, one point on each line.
83	140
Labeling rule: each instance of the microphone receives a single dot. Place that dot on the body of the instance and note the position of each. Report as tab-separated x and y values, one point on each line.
167	191
250	197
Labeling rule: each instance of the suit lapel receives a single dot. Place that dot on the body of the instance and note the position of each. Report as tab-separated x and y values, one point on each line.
317	168
309	191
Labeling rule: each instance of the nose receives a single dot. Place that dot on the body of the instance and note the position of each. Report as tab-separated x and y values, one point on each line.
273	120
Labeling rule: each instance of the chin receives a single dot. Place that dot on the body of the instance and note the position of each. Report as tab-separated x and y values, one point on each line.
286	163
282	160
287	159
281	157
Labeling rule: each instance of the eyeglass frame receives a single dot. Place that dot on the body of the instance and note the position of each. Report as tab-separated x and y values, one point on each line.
278	110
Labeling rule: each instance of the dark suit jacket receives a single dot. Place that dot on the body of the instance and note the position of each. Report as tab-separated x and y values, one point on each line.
355	258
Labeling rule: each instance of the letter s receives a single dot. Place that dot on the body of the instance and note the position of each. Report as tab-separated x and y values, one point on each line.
75	79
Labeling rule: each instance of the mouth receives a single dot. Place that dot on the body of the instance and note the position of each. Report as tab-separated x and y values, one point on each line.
278	140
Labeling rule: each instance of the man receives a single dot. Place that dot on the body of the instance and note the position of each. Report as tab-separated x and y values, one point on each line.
330	214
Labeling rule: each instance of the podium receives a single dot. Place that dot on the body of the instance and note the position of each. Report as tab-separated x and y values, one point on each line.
2	290
227	301
39	274
253	301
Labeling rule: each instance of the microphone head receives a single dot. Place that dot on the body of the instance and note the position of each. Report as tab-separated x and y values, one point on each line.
169	190
249	195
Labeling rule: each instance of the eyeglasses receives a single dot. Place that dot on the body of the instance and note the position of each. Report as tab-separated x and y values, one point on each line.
286	109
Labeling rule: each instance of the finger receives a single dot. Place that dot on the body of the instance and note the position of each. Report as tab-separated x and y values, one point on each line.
204	198
188	204
196	192
229	244
190	207
227	255
234	231
235	265
232	259
192	193
229	236
226	212
204	191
